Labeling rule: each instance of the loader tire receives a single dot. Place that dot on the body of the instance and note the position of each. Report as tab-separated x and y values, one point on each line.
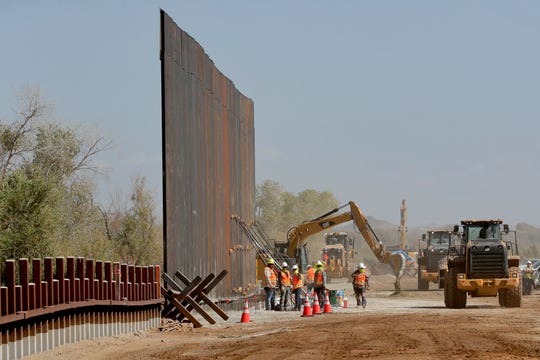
453	297
502	297
512	296
423	285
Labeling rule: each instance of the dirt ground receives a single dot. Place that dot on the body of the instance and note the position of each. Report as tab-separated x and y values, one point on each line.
412	325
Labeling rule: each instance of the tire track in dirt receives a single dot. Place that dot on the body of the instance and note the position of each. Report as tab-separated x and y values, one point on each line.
412	326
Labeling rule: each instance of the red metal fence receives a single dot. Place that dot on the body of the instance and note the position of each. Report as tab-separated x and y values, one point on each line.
49	302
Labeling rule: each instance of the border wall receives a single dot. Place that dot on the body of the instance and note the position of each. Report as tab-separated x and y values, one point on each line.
208	165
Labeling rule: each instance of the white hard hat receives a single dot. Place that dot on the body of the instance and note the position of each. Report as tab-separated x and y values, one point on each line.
284	264
529	262
319	262
295	267
361	266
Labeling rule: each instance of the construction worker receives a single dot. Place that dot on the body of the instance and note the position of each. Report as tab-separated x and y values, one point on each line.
319	285
297	287
310	278
284	280
360	284
528	278
270	284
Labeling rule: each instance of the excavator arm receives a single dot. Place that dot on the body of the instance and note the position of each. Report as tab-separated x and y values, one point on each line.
297	235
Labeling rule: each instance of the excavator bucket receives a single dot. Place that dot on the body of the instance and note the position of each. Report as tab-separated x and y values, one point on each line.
397	262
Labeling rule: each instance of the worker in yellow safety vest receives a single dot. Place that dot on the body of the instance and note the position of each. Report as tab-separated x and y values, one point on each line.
528	281
270	283
297	287
360	284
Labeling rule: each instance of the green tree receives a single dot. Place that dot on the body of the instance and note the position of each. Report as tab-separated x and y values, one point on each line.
278	210
269	206
139	241
46	205
25	216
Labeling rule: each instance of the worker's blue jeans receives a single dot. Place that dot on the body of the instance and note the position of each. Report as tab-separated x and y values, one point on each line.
270	300
297	298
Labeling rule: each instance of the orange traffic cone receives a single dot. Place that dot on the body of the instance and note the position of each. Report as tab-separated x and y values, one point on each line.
307	308
327	306
316	306
245	313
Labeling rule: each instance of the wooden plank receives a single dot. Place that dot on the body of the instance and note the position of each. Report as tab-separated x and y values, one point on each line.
186	295
168	295
168	311
201	286
202	295
210	286
199	295
200	310
185	292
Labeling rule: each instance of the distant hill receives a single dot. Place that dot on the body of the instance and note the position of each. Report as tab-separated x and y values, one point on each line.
528	238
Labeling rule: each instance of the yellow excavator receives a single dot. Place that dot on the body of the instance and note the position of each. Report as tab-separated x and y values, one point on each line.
297	235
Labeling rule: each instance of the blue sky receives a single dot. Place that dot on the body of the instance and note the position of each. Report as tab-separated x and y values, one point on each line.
437	103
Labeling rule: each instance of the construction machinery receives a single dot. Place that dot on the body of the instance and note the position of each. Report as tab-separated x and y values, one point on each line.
296	236
294	250
338	254
267	248
482	264
432	257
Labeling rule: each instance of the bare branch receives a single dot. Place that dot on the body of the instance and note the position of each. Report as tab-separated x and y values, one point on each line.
15	139
98	145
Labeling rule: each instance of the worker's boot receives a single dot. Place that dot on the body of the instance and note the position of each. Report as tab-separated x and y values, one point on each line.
364	303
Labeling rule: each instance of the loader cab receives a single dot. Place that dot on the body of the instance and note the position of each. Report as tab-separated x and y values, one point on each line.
484	249
434	249
437	239
475	230
483	231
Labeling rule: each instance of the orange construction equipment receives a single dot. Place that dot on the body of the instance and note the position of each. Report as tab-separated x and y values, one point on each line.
307	308
327	306
316	306
245	313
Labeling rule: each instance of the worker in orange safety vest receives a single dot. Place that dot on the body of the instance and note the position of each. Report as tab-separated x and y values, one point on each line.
284	279
297	287
360	284
310	278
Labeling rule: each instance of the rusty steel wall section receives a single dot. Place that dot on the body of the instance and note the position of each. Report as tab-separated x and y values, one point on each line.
208	165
